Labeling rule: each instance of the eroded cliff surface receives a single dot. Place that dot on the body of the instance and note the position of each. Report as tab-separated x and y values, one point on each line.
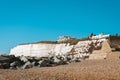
81	49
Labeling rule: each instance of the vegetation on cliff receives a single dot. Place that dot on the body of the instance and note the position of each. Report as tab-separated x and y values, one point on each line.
115	38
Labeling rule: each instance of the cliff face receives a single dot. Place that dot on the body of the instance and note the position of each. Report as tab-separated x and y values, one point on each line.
82	48
41	50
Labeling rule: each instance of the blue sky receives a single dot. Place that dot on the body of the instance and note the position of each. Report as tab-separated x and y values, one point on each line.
23	21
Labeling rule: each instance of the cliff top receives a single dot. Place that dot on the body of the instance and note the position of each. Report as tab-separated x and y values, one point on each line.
72	41
114	39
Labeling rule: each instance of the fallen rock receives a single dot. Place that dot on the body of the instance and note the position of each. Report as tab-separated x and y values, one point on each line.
27	65
23	58
13	64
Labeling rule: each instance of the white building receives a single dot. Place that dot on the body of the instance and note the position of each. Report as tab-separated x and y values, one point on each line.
101	36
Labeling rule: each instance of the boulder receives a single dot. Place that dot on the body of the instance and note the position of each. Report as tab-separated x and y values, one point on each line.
34	63
13	68
27	65
13	64
23	58
6	65
56	60
44	63
3	59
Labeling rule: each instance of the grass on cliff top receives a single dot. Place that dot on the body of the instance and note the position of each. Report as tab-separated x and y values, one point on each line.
72	41
75	41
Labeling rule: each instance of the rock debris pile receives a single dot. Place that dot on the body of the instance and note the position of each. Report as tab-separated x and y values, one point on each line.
48	55
22	62
85	48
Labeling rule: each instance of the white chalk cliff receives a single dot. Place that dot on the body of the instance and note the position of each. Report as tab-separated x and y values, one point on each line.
82	48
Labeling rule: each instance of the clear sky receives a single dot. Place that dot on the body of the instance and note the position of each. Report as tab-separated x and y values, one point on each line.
23	21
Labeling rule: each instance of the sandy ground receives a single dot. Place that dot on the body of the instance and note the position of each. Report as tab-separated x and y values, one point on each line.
85	70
